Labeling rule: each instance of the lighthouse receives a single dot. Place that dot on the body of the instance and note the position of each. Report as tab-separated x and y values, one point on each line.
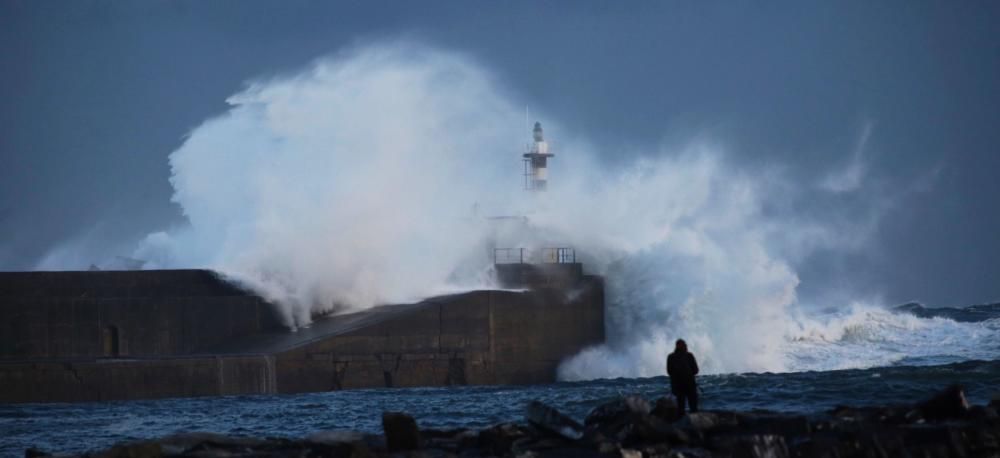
533	259
536	161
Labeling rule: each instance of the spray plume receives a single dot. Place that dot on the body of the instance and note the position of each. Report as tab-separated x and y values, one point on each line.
364	179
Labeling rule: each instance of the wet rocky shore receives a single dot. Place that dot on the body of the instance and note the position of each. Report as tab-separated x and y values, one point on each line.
631	426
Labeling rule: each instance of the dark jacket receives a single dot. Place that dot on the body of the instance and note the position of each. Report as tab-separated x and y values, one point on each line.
681	367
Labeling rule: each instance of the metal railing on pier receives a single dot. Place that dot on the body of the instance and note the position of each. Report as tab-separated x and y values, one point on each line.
548	255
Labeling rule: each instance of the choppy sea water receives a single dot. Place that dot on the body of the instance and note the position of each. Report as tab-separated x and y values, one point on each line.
85	426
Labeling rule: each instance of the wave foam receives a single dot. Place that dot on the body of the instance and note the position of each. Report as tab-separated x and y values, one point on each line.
364	179
865	336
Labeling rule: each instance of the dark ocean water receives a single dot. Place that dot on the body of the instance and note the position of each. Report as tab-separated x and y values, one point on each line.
85	426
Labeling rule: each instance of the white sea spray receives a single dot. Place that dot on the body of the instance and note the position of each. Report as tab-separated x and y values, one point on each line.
368	177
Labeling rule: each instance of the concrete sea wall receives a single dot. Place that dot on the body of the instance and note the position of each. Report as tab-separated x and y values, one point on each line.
106	380
81	343
481	337
117	314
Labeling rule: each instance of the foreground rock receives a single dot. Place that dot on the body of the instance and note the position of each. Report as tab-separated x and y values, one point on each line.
944	425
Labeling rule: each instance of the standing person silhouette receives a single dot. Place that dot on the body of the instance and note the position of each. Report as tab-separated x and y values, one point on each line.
681	367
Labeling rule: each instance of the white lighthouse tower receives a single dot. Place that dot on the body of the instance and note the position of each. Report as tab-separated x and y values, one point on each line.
536	161
533	259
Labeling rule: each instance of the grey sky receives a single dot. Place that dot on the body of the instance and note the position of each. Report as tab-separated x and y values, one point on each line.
96	94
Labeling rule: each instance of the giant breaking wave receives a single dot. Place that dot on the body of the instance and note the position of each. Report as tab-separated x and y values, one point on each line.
365	179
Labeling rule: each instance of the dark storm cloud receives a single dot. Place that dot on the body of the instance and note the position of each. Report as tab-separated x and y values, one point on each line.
96	94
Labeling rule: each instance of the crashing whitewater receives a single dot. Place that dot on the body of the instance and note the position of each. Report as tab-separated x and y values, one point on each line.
366	178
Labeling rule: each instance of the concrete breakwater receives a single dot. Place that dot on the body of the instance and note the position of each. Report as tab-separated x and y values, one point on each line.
944	425
83	336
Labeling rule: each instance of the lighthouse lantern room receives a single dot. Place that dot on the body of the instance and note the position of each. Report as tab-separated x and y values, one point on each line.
536	161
